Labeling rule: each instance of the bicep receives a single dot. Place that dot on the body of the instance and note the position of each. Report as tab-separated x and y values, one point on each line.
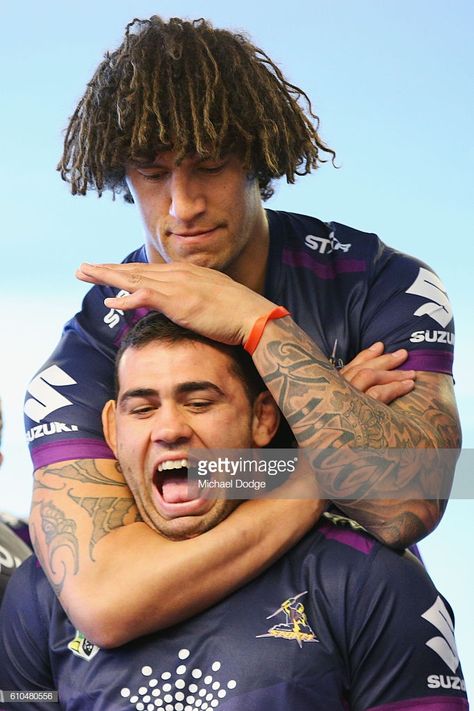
75	505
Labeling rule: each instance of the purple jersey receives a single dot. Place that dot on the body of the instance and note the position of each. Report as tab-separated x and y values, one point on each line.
345	288
340	622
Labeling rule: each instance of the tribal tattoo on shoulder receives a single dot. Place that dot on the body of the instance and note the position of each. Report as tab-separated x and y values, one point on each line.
86	471
60	554
397	447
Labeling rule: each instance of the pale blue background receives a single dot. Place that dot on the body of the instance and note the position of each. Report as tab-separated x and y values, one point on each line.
393	84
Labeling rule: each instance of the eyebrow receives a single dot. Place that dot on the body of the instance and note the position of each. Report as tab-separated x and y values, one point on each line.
193	385
182	389
137	392
147	165
157	163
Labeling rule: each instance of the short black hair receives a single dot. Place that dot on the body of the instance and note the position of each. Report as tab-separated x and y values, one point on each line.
157	327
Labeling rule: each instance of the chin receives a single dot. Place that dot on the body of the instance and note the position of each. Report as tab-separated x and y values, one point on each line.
180	529
205	260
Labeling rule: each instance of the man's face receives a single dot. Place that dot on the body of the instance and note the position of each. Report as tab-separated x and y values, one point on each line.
208	213
173	398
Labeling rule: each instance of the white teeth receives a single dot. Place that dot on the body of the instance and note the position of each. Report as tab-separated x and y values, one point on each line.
172	464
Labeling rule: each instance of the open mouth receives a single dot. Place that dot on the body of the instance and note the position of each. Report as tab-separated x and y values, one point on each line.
171	480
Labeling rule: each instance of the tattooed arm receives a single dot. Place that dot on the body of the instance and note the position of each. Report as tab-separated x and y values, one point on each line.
88	535
95	561
323	410
398	498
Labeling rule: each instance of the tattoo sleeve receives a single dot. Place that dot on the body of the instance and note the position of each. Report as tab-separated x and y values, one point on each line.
397	481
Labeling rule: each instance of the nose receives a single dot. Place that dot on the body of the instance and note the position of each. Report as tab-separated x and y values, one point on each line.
170	426
187	201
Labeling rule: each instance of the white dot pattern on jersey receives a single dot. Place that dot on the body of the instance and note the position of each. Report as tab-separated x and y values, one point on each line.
195	696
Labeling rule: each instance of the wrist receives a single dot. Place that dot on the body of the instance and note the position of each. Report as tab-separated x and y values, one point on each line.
252	339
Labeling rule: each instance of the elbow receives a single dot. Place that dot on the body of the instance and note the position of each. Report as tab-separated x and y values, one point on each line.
102	620
411	526
100	627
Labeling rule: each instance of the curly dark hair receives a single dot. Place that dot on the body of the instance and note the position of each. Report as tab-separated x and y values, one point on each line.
188	87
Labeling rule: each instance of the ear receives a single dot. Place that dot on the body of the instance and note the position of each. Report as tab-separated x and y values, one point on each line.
265	419
108	425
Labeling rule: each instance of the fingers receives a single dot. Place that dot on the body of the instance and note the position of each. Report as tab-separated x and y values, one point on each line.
142	298
366	378
391	391
94	274
147	289
366	359
384	386
366	355
375	373
97	273
130	278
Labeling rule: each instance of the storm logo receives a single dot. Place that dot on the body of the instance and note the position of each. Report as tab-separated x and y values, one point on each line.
296	624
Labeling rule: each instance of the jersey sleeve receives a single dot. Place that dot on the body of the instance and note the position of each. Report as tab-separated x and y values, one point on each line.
407	307
64	401
401	644
24	640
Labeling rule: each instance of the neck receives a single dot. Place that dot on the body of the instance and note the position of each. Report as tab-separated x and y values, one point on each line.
251	267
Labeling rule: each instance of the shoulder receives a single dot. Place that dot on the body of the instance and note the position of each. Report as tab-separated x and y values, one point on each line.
369	246
331	241
138	255
340	240
346	549
335	528
395	627
365	578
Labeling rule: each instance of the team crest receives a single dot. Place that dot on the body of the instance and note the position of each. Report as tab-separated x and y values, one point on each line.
295	625
81	647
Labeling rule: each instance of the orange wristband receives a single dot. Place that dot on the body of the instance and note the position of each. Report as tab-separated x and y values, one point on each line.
259	326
